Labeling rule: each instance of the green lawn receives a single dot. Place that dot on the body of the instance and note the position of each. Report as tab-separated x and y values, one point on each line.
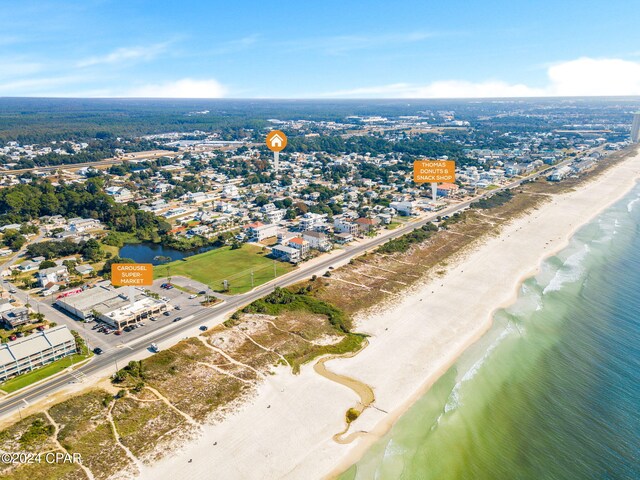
36	375
214	266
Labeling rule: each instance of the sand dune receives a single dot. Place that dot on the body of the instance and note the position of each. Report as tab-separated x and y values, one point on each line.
287	430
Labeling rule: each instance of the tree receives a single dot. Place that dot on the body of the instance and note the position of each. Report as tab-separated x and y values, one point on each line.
46	264
92	250
14	240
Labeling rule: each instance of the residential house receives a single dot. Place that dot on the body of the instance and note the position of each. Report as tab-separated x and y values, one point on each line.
367	225
299	244
15	317
343	238
403	208
341	225
258	231
285	253
119	194
447	189
311	221
52	275
84	269
317	240
79	225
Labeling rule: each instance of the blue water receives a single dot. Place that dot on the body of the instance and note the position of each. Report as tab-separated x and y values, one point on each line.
147	252
553	390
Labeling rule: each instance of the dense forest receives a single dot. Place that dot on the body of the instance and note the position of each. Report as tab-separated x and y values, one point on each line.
35	120
26	202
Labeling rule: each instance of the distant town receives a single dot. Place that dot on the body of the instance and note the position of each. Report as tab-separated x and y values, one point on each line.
340	184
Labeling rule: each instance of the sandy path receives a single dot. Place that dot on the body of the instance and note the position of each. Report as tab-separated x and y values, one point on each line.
287	430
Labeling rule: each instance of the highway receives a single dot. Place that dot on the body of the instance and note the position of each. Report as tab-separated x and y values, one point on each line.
121	356
99	163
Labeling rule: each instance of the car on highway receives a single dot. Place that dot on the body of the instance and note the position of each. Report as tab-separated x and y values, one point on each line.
13	290
97	351
166	314
177	319
178	307
203	328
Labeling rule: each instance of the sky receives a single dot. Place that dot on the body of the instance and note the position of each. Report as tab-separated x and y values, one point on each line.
312	49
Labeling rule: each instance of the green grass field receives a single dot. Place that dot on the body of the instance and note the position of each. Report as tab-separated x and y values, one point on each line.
40	373
214	266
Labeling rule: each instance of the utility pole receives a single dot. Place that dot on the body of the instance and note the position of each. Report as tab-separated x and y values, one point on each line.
251	278
274	269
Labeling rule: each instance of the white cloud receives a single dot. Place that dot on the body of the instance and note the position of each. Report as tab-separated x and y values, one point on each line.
589	76
125	54
184	88
581	77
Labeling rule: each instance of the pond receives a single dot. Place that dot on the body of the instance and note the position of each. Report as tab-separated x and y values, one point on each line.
150	252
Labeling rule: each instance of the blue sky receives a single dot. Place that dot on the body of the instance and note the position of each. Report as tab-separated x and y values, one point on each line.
301	49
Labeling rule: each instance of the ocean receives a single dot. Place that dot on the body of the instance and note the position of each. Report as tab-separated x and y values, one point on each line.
552	391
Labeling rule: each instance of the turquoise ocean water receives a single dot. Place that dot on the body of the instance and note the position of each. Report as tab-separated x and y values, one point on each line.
552	391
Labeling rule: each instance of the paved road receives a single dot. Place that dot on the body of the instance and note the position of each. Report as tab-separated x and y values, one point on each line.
121	356
100	163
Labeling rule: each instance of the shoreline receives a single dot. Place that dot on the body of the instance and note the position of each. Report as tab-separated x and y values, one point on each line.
385	425
294	438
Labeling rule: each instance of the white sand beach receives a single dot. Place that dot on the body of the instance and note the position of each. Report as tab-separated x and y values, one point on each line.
286	430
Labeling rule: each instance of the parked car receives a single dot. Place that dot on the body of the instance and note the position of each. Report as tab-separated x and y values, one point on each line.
97	351
191	297
13	290
13	337
166	314
41	328
202	292
178	307
118	332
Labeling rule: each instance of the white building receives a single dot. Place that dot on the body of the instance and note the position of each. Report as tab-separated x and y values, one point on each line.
287	254
310	221
317	240
299	244
343	226
52	275
28	353
79	225
258	231
403	208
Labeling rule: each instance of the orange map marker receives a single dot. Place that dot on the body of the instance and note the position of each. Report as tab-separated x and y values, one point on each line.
276	141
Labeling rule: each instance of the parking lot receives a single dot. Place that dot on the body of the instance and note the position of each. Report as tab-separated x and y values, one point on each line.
182	305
